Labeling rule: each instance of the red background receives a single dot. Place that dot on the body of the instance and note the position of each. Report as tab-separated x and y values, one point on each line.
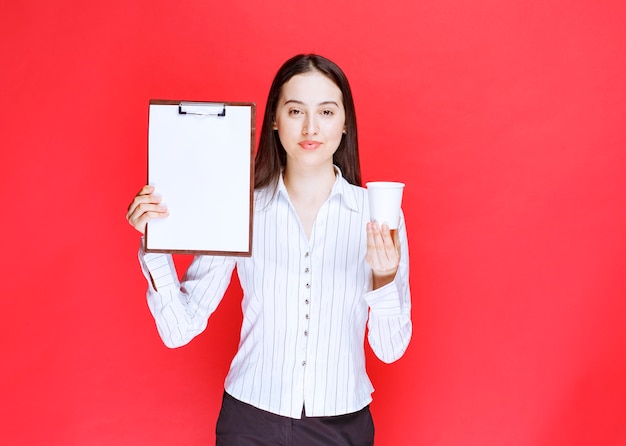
506	120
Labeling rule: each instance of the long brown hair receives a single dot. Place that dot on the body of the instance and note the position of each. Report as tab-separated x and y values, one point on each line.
271	157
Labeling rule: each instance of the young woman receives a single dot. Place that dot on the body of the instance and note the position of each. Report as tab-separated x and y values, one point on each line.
320	271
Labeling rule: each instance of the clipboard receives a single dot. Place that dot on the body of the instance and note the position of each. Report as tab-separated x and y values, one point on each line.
201	161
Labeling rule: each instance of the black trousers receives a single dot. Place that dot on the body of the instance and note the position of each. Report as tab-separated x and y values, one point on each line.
240	424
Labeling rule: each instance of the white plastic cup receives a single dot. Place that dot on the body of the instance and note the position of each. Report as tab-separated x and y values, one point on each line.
385	199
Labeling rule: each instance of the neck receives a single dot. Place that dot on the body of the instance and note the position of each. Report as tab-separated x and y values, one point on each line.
309	184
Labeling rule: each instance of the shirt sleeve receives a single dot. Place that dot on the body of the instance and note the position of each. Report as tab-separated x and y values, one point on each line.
389	324
181	309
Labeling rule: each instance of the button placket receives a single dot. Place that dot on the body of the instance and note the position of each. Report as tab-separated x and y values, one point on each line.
306	277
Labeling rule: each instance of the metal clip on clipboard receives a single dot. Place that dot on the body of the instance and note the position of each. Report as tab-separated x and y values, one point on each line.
202	109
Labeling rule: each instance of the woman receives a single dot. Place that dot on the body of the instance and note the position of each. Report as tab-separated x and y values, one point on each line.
319	272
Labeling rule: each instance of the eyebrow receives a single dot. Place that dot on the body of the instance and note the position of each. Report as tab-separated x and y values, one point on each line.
295	101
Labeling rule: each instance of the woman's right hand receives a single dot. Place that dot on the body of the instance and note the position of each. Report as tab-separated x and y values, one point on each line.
145	206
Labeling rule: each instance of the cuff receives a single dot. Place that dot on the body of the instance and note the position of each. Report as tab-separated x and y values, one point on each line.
159	269
385	301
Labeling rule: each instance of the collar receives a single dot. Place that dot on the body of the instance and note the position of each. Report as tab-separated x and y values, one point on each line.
345	191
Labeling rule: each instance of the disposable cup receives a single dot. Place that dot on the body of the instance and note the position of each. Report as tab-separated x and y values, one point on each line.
385	200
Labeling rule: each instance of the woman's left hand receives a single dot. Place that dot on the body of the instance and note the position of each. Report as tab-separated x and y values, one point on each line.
383	253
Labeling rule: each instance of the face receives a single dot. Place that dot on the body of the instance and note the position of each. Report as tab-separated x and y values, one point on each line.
310	119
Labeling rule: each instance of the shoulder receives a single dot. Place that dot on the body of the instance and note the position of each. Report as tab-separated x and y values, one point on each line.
354	197
264	198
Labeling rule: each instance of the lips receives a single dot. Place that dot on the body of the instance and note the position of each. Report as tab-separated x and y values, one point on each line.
309	145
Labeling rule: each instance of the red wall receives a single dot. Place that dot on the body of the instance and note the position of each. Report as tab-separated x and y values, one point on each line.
506	119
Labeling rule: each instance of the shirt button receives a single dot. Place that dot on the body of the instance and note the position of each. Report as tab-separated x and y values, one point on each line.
303	363
306	254
306	270
306	301
306	333
308	285
306	316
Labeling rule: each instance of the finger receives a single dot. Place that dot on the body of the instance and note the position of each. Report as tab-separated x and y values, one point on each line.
374	239
140	219
382	254
145	195
386	236
146	190
383	241
146	208
375	255
391	242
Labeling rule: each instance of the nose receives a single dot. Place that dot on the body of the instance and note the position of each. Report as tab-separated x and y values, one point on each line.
310	126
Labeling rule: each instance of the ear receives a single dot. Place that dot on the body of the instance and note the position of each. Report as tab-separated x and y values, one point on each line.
274	125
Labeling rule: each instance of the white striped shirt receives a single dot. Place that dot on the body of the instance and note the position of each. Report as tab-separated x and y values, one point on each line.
305	306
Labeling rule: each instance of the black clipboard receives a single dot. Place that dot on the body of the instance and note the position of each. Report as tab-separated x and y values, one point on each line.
201	161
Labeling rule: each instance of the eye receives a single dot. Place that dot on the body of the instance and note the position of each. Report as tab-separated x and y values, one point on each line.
295	111
328	112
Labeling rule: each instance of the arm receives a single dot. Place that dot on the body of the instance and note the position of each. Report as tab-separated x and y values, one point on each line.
181	310
389	300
